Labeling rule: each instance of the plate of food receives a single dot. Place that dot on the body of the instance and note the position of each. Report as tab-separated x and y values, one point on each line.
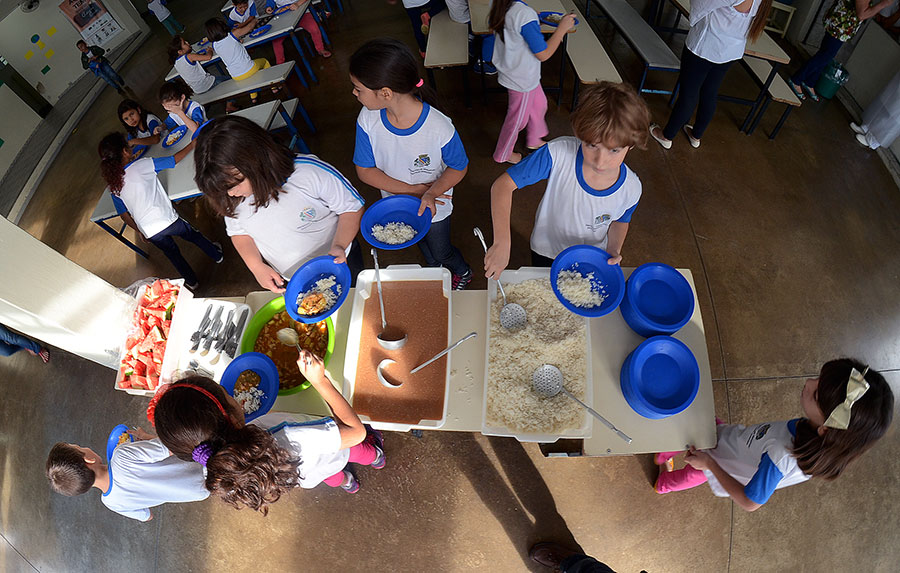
117	437
552	18
260	31
203	42
317	289
281	11
252	380
174	136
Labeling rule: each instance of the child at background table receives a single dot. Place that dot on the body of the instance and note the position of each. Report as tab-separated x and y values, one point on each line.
175	97
188	64
848	408
307	22
591	193
280	210
420	13
92	58
242	17
254	464
165	17
145	206
233	54
405	146
516	49
141	127
140	475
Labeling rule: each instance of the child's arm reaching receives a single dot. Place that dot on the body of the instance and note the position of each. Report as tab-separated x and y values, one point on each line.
347	228
702	461
497	256
615	239
266	276
351	427
566	24
436	193
381	180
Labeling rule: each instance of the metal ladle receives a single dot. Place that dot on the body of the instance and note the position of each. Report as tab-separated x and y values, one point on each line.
512	315
444	351
385	343
547	380
289	337
380	373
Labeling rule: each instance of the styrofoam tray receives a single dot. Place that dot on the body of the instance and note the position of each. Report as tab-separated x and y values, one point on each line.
365	287
514	277
204	363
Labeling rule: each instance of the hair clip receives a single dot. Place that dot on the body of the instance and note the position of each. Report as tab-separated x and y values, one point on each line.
202	453
839	418
420	83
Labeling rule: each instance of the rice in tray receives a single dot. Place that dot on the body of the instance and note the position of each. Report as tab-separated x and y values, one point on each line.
579	289
393	233
553	335
318	299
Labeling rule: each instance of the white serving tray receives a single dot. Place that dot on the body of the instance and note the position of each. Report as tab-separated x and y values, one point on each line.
515	277
365	287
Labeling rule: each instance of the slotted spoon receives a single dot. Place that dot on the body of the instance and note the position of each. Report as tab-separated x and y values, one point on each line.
385	342
512	315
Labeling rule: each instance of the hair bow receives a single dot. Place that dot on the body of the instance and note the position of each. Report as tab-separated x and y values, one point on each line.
856	387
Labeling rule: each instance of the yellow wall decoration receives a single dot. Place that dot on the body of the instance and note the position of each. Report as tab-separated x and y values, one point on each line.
41	44
51	31
49	54
29	54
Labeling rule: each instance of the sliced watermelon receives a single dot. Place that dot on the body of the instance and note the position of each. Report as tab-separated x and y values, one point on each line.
152	382
125	382
165	328
131	341
139	382
157	312
139	368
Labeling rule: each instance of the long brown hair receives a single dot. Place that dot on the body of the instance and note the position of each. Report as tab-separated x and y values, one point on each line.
231	149
247	467
111	164
760	20
497	17
828	455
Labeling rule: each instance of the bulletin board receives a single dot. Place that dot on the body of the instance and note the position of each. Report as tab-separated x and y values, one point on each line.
95	24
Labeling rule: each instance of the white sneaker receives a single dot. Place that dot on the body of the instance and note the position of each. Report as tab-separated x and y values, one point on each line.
689	132
863	140
666	143
860	129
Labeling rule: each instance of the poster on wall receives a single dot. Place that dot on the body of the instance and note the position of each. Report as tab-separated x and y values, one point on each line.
95	24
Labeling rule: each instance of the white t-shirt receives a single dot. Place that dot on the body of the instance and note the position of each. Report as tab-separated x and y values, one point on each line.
143	475
234	55
144	196
317	442
160	11
514	55
718	32
418	154
459	10
758	457
194	75
194	110
414	3
236	18
152	123
302	223
571	212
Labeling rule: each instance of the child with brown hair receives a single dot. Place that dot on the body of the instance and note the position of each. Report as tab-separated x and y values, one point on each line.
847	409
591	193
175	97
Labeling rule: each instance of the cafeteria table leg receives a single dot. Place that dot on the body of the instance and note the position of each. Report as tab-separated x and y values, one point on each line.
305	115
763	92
321	27
122	239
292	129
762	111
465	78
562	68
305	62
431	81
340	6
781	121
575	93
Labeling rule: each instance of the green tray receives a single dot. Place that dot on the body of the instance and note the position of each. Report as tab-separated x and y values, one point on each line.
260	319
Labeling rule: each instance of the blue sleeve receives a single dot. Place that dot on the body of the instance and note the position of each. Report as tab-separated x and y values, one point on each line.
626	218
119	204
536	167
271	4
363	156
453	154
160	163
231	23
764	481
253	11
152	124
170	123
487	48
533	36
198	115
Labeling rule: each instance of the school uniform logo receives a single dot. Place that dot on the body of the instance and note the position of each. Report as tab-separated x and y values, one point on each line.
422	161
600	221
760	432
308	214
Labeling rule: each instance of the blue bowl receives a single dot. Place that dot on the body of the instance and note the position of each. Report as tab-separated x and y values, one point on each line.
658	300
182	129
395	209
660	378
544	18
305	278
260	31
113	440
268	379
608	279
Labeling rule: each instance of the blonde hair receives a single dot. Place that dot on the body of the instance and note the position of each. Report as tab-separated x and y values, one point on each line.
612	114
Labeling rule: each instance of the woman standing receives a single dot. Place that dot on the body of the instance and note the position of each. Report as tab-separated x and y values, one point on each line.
842	22
718	34
881	121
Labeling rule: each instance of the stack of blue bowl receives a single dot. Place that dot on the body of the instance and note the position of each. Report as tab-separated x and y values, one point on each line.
658	300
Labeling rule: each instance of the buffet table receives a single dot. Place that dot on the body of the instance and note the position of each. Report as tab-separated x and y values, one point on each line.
612	341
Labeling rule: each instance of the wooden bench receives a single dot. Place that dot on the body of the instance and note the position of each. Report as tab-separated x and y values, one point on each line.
654	52
589	59
448	46
778	91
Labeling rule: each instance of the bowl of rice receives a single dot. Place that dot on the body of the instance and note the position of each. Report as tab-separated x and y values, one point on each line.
174	136
394	223
658	300
660	378
317	289
252	380
585	283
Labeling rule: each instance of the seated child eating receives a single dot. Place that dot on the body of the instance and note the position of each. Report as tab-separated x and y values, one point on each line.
591	193
140	475
141	127
189	65
175	97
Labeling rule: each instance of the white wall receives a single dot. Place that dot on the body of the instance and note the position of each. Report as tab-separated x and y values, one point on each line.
16	124
17	29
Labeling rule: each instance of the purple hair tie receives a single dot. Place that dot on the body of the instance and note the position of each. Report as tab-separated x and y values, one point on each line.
202	453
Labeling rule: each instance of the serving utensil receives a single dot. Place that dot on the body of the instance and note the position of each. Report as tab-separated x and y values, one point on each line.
379	372
289	337
444	351
547	380
512	315
383	338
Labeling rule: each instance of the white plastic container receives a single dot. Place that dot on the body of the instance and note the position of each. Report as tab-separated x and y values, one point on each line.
193	316
365	288
514	277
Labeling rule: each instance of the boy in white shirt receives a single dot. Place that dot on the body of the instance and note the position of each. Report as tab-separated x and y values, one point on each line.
140	475
591	193
158	7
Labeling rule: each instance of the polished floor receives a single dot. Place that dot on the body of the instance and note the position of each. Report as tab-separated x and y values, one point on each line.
793	246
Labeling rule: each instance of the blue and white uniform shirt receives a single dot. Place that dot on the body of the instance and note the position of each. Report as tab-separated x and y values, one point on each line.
418	154
194	75
317	442
194	110
234	55
514	56
571	211
235	18
144	197
758	457
152	123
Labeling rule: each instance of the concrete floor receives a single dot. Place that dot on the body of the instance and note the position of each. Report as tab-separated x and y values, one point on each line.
793	246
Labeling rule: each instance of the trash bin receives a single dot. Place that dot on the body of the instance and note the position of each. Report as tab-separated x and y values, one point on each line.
834	76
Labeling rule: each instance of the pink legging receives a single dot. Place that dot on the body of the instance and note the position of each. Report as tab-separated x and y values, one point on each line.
308	23
679	480
362	453
526	110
